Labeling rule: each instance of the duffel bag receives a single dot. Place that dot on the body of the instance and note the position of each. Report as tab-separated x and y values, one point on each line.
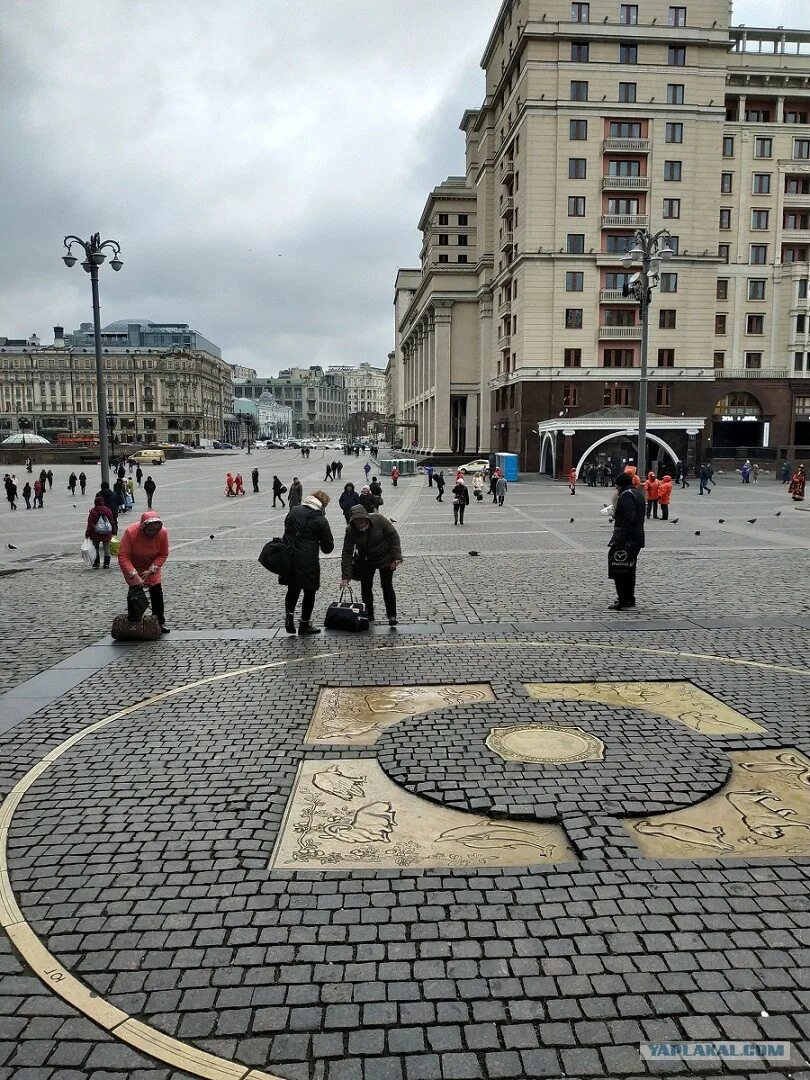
276	556
346	615
145	629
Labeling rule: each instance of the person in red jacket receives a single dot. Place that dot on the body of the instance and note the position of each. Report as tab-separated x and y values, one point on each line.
664	495
394	475
101	527
651	489
572	481
143	551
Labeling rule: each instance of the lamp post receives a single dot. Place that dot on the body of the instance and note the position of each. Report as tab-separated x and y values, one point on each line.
650	251
94	256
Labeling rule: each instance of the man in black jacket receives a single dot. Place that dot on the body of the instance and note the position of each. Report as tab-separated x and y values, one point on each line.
628	536
110	501
377	544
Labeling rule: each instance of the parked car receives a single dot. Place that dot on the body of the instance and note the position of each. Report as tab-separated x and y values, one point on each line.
479	465
154	456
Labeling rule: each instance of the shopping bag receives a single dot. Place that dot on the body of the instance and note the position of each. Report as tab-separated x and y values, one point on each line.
346	615
621	560
137	603
115	545
88	553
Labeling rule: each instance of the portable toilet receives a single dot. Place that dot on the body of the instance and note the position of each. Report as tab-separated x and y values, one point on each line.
406	466
508	464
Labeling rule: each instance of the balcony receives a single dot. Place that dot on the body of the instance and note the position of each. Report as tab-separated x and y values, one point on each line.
507	205
624	221
626	146
504	341
507	168
614	296
793	198
754	373
796	236
506	239
608	332
504	307
626	183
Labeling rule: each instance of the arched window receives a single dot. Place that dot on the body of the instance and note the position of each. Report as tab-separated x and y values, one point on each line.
738	403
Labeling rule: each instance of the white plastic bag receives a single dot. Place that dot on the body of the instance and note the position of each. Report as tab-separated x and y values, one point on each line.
88	553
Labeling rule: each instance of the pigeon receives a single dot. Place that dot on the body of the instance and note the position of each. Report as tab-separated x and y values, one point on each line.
697	532
472	553
572	521
752	521
721	521
211	537
12	547
675	521
778	513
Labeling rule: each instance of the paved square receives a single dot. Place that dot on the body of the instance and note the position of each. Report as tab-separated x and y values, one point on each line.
147	933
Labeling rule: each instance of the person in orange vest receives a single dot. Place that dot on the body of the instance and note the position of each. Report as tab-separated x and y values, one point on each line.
664	495
572	481
651	489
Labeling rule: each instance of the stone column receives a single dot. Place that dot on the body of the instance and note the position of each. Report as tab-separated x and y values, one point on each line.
485	394
442	319
472	423
568	456
780	109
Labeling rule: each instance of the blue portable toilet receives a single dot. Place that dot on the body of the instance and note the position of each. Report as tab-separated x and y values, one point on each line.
508	464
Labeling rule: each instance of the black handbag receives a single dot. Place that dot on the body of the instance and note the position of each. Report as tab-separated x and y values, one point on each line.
276	556
346	615
137	603
621	559
359	564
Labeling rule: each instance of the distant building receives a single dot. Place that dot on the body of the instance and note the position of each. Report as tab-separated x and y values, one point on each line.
144	334
365	386
316	398
239	371
271	420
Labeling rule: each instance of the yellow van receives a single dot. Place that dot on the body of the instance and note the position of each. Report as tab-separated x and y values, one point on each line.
148	457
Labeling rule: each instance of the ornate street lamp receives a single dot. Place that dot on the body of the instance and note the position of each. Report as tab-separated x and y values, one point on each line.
650	251
94	255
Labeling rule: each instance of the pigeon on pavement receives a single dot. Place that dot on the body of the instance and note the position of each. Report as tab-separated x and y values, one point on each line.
697	532
12	547
752	521
778	513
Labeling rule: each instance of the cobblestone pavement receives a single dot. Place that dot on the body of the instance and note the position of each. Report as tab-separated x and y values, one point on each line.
139	855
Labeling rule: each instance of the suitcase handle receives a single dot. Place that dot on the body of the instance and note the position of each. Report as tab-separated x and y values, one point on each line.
346	589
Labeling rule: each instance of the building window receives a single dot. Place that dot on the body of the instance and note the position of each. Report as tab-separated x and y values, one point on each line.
574	281
570	396
462	219
793	117
580	12
724	253
802	294
575	244
580	52
720	324
673	133
674	93
674	244
801	148
628	14
462	240
728	146
762	183
753	361
618	243
625	129
627	92
572	358
576	206
677	16
669	283
444	239
798	361
755	324
663	394
577	130
672	208
722	289
444	258
616	394
573	318
579	90
628	54
444	219
759	219
462	258
676	56
763	148
758	254
719	361
726	181
673	170
667	319
725	218
577	168
666	358
621	358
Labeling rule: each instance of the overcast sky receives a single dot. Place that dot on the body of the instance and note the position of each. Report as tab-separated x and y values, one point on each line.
262	164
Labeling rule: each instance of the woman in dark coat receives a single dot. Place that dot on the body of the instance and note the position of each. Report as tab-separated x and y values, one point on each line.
461	500
628	534
296	493
348	499
376	542
367	500
307	532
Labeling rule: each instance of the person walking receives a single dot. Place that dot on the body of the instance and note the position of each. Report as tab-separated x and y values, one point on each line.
26	494
110	500
500	489
129	487
122	472
367	499
371	544
339	465
329	475
49	474
130	466
478	487
144	550
100	530
394	475
704	480
82	482
755	472
651	488
367	470
493	483
628	537
572	481
39	492
348	499
429	474
307	532
745	473
278	491
229	485
240	484
149	486
29	465
120	494
296	493
461	500
254	476
785	472
664	496
439	478
797	484
375	487
72	484
138	476
11	491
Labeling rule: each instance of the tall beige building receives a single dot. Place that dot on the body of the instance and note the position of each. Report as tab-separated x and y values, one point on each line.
365	386
599	119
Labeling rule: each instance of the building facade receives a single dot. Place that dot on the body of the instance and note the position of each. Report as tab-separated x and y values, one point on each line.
365	386
144	334
317	398
599	119
154	395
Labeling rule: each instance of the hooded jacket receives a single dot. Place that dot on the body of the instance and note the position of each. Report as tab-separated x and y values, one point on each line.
665	491
139	552
652	486
308	533
296	494
378	546
110	500
99	510
348	499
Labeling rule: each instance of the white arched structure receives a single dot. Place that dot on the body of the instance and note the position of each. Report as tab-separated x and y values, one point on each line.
616	434
548	440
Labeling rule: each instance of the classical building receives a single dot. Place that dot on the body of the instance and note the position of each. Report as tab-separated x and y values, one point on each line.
317	398
599	119
175	393
365	386
269	419
144	334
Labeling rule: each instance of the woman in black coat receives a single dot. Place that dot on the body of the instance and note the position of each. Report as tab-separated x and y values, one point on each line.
628	535
307	532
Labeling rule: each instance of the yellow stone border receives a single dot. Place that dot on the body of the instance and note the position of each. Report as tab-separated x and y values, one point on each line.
142	1036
